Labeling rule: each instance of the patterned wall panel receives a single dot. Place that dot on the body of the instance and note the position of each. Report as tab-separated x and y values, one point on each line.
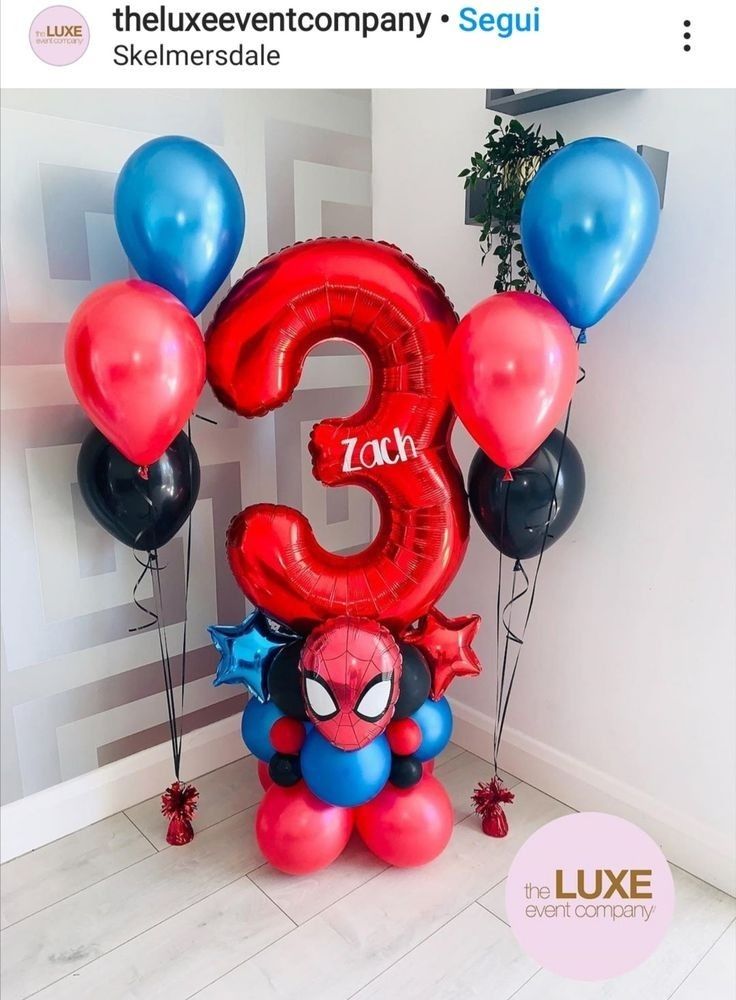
79	688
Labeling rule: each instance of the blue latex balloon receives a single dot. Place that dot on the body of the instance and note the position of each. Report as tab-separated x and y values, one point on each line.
434	718
246	652
345	777
588	222
258	718
180	217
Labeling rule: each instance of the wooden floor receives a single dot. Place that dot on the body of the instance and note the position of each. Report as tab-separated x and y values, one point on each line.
113	912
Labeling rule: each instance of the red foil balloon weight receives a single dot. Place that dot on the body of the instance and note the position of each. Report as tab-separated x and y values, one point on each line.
488	800
178	805
396	446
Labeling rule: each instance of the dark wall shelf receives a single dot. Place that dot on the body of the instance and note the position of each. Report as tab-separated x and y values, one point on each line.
508	102
511	103
656	159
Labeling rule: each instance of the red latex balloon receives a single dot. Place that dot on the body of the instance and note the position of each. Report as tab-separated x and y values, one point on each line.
404	737
407	827
513	366
297	832
263	776
350	669
396	446
136	362
428	766
287	735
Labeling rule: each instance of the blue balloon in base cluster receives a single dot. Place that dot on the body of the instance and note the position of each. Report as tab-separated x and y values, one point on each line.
345	777
258	718
434	718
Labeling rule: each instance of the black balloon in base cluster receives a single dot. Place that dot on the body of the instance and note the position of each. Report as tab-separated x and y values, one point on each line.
405	771
284	769
513	515
285	683
414	684
141	513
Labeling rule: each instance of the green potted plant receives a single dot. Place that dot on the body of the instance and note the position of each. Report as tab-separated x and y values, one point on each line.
501	173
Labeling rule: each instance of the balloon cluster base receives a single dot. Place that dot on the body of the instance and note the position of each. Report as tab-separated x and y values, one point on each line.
406	827
488	799
178	805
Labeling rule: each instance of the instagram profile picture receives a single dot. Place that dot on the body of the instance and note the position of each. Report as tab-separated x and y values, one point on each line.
59	35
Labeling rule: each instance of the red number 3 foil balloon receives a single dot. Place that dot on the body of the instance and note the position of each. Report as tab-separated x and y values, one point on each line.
396	446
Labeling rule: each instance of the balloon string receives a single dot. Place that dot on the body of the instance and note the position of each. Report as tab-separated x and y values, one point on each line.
542	524
153	566
510	637
499	617
187	574
146	611
505	697
199	416
518	568
140	485
165	658
520	640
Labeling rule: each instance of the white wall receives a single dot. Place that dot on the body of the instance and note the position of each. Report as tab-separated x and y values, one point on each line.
79	688
625	697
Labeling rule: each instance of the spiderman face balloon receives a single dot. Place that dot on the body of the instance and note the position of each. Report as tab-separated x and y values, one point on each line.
351	669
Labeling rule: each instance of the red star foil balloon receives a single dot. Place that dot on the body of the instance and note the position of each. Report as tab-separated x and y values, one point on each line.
446	645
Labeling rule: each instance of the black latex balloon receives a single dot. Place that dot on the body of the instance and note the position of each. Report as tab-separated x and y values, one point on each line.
284	769
285	683
142	513
527	498
405	771
414	684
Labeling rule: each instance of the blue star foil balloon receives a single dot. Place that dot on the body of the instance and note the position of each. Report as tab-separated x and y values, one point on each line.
246	652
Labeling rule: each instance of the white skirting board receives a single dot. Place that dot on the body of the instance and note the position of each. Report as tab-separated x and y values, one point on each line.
55	812
71	805
700	850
